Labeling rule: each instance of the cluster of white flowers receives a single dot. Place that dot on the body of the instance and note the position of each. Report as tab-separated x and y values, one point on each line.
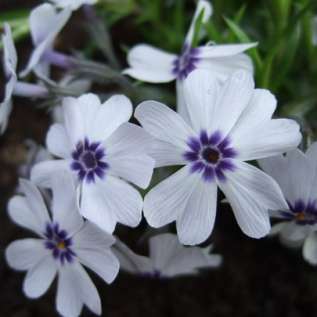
85	181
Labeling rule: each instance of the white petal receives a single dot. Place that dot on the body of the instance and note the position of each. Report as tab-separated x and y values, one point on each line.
111	201
150	64
45	24
223	67
181	104
173	259
200	93
39	278
72	4
73	120
5	111
42	172
168	199
9	52
74	289
233	98
31	211
126	151
202	6
88	105
251	194
57	141
24	254
64	204
268	139
163	123
130	261
259	110
310	249
101	261
293	235
293	173
94	207
92	237
311	154
114	112
222	50
196	222
166	154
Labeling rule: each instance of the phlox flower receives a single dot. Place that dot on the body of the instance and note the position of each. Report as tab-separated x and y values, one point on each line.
229	125
153	65
65	243
103	152
11	85
296	173
167	258
45	24
72	4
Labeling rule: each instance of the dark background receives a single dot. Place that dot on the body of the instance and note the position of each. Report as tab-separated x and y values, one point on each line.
258	278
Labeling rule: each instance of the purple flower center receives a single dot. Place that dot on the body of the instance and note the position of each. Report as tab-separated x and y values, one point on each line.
59	243
301	213
210	155
88	161
186	62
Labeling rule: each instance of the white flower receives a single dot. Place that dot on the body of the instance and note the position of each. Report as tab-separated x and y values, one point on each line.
167	258
102	150
229	125
296	173
9	65
45	24
65	243
72	4
153	65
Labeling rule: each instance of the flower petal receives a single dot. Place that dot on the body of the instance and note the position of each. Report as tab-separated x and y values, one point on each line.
57	141
64	204
200	93
163	123
40	277
310	249
112	113
168	199
270	138
293	173
195	223
24	254
202	6
233	98
222	50
74	289
29	212
101	261
42	172
251	194
181	104
150	64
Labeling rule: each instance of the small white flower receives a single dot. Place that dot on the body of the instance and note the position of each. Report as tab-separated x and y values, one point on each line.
45	24
102	150
228	125
65	243
10	64
153	65
167	258
296	173
72	4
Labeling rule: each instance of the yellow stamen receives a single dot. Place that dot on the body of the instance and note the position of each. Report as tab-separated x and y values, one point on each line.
61	245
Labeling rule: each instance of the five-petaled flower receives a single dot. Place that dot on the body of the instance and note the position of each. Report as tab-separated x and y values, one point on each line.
66	243
228	125
296	173
103	151
153	65
167	258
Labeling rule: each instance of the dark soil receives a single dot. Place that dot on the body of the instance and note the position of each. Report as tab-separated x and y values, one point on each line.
258	277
